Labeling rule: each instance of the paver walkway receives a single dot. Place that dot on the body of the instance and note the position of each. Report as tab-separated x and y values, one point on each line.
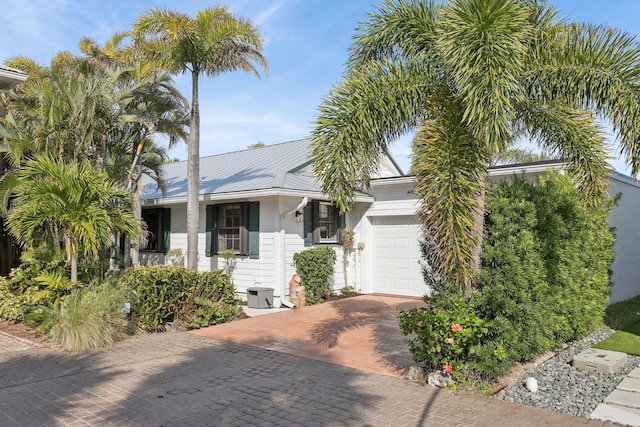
360	332
622	406
182	379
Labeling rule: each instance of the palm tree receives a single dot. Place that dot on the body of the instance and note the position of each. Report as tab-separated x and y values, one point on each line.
212	43
471	76
149	105
72	203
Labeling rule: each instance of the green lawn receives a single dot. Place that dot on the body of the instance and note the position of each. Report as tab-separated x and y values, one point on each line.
624	317
626	340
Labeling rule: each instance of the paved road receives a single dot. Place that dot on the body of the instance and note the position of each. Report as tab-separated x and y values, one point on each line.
181	379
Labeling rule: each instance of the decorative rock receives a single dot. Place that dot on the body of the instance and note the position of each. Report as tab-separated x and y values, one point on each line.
416	374
561	385
438	380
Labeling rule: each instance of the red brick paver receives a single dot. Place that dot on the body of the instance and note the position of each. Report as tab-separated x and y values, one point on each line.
184	379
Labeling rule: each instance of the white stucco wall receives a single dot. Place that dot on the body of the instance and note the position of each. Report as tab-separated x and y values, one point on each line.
626	265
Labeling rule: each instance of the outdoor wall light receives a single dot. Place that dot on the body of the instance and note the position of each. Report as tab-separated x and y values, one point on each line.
298	216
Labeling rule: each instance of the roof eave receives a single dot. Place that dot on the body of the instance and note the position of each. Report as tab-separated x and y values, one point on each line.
251	194
10	78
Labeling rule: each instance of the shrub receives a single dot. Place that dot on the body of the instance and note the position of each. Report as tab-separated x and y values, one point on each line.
443	336
315	267
544	281
165	293
16	304
88	318
545	276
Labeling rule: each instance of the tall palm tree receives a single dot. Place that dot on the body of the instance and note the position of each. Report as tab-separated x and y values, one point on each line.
471	75
149	105
49	200
212	43
65	108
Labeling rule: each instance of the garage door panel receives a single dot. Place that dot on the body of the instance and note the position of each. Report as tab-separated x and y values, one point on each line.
397	256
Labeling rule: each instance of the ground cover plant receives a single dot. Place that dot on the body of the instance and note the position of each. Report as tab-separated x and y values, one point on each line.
625	340
624	317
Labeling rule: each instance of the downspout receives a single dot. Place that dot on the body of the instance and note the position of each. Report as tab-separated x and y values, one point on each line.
302	205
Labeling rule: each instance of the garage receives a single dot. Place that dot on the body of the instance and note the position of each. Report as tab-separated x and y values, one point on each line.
396	258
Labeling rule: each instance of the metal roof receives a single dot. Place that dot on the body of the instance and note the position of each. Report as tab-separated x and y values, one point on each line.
269	167
10	77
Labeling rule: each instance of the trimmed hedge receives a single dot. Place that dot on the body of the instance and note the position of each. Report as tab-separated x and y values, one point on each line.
544	279
315	267
166	293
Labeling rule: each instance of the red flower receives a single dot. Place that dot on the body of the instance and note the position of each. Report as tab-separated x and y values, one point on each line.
455	327
447	369
419	324
450	341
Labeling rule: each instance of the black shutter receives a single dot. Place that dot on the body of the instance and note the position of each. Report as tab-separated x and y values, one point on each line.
308	224
254	229
166	230
209	230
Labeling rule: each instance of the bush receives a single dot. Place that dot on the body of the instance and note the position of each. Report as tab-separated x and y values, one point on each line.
165	293
544	281
545	278
315	267
443	336
15	305
88	318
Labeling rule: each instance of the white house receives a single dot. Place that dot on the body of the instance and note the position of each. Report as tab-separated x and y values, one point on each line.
10	77
266	204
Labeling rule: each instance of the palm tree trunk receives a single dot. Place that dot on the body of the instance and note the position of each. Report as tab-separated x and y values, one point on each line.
193	168
115	246
74	267
477	229
137	211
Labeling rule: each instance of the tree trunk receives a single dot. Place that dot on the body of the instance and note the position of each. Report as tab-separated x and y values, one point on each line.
72	253
478	228
115	247
193	177
137	211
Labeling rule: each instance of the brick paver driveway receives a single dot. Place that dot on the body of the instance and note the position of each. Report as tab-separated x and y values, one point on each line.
183	379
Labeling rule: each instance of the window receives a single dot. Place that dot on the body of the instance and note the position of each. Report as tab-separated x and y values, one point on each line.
230	228
233	226
322	223
158	225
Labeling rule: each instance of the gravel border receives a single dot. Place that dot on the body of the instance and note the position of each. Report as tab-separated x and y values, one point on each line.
565	389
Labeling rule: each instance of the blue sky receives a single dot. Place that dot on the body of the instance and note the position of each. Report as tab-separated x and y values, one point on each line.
306	44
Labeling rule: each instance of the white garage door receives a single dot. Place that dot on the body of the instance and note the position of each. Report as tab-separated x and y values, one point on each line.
397	256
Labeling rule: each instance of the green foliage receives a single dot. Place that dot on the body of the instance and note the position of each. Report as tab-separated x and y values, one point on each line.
164	293
623	313
15	304
626	340
315	267
88	318
471	76
445	335
55	286
545	278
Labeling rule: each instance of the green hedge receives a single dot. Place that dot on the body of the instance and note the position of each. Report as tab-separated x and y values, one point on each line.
315	267
544	279
165	293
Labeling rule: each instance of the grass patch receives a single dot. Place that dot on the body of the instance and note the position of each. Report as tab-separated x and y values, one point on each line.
623	313
626	340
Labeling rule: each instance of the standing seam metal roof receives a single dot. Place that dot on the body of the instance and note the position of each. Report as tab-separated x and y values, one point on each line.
252	169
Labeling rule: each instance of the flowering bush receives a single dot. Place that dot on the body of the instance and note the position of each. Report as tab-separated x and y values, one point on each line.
443	338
